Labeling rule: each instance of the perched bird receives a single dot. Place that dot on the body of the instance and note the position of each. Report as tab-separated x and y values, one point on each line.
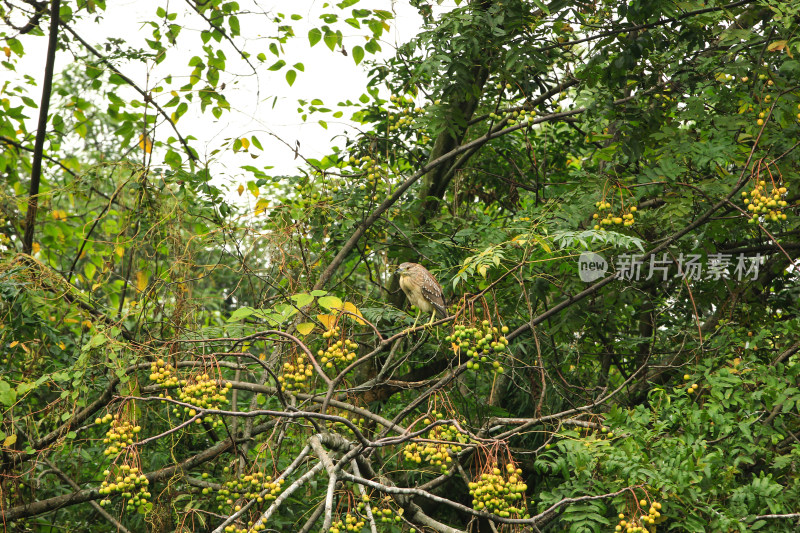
422	290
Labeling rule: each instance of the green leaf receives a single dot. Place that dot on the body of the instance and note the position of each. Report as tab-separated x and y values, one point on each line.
291	75
318	293
330	302
279	64
331	39
241	314
302	299
358	54
7	395
314	36
305	328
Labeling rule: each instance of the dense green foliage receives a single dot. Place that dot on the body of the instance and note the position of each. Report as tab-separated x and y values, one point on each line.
178	356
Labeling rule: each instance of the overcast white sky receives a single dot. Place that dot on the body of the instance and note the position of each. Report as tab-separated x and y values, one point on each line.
329	76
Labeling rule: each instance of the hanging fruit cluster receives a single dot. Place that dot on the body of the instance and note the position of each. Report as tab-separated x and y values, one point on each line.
403	114
385	513
296	374
436	454
350	522
640	522
129	482
521	116
481	344
163	374
499	493
119	435
339	351
770	205
205	393
255	486
610	218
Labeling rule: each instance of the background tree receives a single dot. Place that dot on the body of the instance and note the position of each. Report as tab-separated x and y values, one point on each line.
179	360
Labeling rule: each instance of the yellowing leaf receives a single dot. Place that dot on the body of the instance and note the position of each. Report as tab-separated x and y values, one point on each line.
141	280
255	191
261	206
327	320
482	270
145	143
10	440
119	250
777	45
305	328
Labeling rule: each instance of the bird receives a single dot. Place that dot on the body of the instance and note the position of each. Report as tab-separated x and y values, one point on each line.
422	290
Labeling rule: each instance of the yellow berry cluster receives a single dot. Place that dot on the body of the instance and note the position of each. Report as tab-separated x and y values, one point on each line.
295	374
769	205
203	392
163	374
370	168
627	219
479	344
255	486
499	493
351	522
119	435
642	523
129	482
340	351
436	454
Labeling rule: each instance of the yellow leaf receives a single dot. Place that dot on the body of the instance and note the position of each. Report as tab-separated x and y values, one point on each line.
87	324
7	51
145	143
240	190
10	440
482	270
119	250
174	93
327	320
245	143
255	191
96	286
141	280
35	248
305	328
62	345
350	308
13	344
